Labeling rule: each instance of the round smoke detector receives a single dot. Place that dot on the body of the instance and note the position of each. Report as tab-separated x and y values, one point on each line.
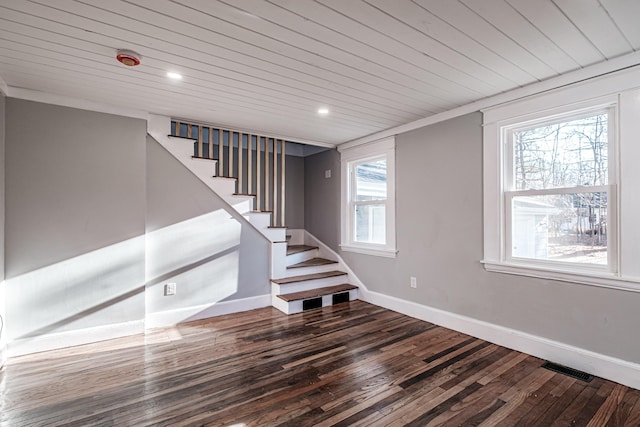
128	57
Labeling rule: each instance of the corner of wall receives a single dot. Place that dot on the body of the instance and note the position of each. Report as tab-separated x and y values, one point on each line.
3	353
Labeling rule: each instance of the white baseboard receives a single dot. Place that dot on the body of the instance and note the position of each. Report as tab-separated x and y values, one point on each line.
188	314
72	338
601	365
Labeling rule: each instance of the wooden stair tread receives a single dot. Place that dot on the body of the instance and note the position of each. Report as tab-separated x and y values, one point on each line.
313	293
203	158
313	262
305	277
295	249
244	194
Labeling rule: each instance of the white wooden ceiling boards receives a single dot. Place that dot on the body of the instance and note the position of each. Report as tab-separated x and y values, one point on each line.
270	65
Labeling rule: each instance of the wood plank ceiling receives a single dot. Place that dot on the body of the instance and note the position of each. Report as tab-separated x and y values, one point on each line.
269	65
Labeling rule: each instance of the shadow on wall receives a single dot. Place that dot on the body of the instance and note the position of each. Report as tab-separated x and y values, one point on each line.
94	289
107	286
203	257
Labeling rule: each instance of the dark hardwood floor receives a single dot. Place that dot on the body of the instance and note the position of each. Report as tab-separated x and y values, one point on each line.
350	365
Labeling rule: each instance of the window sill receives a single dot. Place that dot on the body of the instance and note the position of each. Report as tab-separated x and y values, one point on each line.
381	252
599	279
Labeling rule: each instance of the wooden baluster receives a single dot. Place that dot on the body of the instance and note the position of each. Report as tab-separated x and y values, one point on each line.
249	164
276	208
282	181
220	152
210	141
266	174
230	152
200	141
177	128
189	130
259	203
240	143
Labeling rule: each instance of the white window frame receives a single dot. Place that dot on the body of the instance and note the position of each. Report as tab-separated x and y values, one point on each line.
349	159
623	271
509	193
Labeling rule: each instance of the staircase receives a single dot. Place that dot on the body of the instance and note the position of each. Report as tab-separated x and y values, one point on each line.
310	281
304	277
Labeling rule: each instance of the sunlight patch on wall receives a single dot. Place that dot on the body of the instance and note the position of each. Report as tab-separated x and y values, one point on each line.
200	255
101	287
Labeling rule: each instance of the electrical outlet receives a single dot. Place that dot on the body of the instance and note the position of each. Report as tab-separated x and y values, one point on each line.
169	289
413	282
327	173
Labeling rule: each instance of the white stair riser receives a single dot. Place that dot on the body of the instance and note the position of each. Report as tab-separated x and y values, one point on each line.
308	285
278	260
259	219
241	204
294	307
280	304
205	167
183	151
181	148
275	234
297	236
301	256
223	187
210	162
311	270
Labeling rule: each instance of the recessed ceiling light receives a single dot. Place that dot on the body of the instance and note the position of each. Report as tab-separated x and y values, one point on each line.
174	76
323	111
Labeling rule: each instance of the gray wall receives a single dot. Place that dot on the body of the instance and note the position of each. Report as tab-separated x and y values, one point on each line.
439	237
294	192
322	197
75	218
193	241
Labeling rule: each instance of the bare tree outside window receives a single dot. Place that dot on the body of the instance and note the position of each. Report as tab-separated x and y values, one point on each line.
558	193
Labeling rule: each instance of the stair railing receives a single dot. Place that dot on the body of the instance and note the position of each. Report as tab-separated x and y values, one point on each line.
257	161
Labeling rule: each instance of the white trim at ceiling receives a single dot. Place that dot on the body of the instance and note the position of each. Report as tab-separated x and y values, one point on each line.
67	101
580	75
84	104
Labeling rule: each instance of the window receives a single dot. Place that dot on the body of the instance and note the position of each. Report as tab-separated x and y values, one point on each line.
368	201
557	185
560	180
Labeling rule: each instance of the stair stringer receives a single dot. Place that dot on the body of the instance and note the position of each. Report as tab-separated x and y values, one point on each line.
182	150
237	203
326	252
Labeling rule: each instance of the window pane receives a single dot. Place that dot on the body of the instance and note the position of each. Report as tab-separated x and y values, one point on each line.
563	227
562	154
370	224
371	180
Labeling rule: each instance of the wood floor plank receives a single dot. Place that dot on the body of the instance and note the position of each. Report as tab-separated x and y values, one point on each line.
354	364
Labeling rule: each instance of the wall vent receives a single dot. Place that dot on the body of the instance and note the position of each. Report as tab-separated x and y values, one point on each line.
573	373
340	298
310	304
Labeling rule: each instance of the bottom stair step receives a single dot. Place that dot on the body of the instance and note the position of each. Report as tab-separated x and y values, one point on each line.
314	293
